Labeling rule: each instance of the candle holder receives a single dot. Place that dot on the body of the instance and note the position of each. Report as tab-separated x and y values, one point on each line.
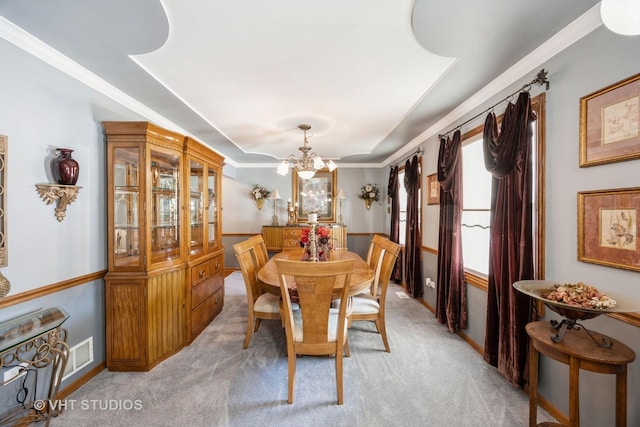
291	213
313	249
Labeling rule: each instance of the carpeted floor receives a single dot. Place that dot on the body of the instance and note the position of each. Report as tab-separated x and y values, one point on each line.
430	378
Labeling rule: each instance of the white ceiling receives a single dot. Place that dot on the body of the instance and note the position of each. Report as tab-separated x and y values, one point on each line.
373	78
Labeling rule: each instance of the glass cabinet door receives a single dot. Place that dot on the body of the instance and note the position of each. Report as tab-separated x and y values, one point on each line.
165	207
212	210
126	205
196	207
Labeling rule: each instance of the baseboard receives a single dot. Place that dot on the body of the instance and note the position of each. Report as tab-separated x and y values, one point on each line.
228	271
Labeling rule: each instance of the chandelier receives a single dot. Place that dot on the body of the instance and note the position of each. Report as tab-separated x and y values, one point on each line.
306	165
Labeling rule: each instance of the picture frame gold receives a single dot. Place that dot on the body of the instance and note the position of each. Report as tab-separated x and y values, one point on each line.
609	123
608	228
433	189
4	152
315	195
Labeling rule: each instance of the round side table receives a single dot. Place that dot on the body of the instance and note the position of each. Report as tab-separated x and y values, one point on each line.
578	350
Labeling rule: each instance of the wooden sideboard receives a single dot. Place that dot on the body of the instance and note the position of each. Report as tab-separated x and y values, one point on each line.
287	237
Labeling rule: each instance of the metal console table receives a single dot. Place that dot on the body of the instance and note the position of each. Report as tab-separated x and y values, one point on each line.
33	342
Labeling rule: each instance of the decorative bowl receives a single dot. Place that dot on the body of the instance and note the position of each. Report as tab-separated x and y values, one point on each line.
535	289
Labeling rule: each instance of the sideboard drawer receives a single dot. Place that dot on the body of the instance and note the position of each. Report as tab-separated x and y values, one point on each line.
200	273
292	232
291	238
205	312
215	265
201	291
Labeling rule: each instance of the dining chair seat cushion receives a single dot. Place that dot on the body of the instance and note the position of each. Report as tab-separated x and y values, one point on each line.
267	303
362	304
333	325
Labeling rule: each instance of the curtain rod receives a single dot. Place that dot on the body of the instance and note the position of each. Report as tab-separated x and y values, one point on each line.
541	79
418	151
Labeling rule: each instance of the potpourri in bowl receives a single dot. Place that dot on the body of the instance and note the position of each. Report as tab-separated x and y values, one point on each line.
576	301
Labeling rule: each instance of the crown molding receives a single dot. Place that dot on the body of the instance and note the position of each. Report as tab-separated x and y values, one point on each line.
34	46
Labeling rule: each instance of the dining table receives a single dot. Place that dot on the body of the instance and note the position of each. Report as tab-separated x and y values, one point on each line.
361	278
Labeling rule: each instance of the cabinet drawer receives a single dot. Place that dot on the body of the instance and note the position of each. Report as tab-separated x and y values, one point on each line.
292	233
291	238
200	273
290	244
215	265
206	288
205	312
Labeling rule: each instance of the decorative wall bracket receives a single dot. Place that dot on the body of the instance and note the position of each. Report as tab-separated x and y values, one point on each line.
63	195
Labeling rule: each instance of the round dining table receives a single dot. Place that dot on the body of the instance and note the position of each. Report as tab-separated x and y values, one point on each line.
360	279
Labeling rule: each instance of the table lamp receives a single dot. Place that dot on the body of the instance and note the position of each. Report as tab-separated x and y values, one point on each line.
340	196
275	196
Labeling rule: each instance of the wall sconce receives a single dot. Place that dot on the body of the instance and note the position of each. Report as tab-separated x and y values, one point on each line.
62	195
275	196
340	196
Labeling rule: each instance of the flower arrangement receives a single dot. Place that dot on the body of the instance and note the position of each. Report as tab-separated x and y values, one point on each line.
323	242
369	192
322	236
259	192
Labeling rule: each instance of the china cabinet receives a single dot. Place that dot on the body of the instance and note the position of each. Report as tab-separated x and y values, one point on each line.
163	215
205	265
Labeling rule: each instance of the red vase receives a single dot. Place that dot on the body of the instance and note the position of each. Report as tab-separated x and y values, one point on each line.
64	168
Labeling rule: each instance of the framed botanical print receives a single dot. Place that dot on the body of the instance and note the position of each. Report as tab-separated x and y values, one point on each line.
609	123
4	141
315	195
608	227
433	190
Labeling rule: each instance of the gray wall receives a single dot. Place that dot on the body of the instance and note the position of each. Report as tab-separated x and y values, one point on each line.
42	109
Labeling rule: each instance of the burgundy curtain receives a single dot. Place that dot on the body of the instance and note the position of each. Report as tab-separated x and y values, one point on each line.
413	240
451	294
507	157
393	192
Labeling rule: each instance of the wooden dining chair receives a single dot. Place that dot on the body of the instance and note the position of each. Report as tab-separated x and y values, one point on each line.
316	329
374	258
374	248
252	255
372	306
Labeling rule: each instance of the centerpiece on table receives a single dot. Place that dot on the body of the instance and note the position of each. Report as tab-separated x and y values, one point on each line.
321	237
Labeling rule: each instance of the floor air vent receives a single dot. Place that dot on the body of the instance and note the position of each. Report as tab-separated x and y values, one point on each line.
80	355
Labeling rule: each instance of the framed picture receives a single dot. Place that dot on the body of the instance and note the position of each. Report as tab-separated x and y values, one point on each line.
608	227
433	189
4	151
609	125
315	195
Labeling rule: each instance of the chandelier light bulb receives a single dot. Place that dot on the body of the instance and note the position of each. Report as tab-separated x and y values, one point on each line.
318	163
306	174
283	168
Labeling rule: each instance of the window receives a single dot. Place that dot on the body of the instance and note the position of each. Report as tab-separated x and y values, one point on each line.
476	205
403	208
403	204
